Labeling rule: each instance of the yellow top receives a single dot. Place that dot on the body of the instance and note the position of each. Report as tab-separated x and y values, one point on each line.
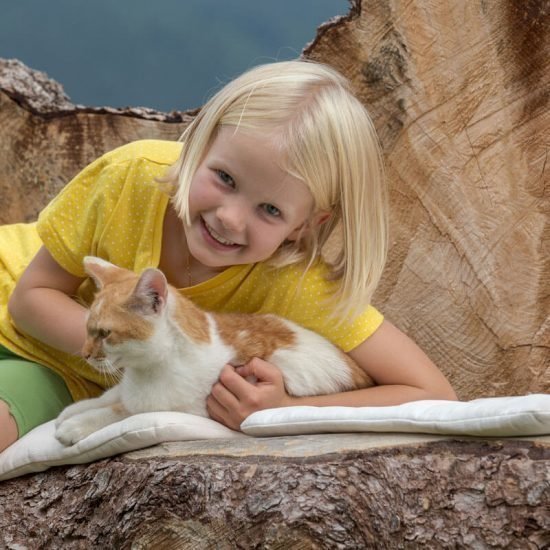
115	209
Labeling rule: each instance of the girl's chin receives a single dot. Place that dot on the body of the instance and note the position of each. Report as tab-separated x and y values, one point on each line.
212	258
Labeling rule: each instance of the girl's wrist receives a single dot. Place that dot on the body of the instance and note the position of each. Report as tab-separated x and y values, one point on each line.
291	401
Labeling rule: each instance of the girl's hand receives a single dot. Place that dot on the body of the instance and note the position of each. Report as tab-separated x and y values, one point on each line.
233	398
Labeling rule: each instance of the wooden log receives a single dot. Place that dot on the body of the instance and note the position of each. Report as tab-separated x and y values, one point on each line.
459	94
332	491
45	140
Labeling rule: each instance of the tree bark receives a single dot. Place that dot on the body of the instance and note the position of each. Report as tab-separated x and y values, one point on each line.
334	494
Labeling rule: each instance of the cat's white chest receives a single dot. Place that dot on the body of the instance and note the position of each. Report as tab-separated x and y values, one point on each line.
180	380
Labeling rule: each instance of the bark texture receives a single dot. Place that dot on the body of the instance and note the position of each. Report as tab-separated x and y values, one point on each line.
459	94
447	494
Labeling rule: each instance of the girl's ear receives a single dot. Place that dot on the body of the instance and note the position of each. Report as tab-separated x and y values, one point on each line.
317	219
101	271
151	292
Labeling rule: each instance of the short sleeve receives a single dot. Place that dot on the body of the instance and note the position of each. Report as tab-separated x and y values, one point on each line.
355	332
71	225
113	209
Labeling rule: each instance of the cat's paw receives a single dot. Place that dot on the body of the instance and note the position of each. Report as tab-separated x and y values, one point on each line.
72	431
63	415
76	408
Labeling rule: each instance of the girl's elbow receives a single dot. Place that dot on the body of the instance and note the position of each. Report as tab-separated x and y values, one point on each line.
451	396
446	394
437	390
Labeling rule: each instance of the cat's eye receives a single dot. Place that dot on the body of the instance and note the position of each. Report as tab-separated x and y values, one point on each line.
103	333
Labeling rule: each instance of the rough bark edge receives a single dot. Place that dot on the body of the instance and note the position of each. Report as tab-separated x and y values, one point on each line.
42	96
353	13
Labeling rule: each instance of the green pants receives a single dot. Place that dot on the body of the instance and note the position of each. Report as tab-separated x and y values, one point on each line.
34	393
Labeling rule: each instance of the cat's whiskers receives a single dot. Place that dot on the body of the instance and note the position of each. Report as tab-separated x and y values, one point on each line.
112	373
115	376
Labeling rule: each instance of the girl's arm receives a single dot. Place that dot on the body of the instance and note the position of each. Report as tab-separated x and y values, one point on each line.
401	370
41	304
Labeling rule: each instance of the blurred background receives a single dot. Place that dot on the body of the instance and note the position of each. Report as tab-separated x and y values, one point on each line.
164	54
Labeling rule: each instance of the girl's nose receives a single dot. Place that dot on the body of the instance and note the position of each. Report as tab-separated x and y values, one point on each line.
232	217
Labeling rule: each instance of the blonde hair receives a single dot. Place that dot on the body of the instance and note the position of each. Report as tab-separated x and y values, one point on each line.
329	142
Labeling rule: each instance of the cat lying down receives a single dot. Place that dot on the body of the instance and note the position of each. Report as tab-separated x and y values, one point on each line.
169	352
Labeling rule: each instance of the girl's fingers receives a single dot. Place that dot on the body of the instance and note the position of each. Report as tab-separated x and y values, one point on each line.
262	370
235	383
224	396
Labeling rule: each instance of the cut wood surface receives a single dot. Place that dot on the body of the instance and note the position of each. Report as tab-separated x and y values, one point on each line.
459	92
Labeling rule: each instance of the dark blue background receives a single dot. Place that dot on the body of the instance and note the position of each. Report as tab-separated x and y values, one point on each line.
165	54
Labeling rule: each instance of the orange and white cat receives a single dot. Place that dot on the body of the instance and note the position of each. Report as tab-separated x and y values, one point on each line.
170	352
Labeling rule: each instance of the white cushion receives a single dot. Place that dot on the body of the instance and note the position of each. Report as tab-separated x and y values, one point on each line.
39	449
498	416
489	417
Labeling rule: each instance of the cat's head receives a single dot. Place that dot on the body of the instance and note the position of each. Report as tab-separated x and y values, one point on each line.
123	314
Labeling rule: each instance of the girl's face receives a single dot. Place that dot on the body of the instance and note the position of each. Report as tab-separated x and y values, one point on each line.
242	205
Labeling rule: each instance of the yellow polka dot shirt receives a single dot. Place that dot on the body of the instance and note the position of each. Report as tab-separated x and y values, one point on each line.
115	209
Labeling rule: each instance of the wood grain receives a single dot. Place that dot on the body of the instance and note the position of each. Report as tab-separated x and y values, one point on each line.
459	92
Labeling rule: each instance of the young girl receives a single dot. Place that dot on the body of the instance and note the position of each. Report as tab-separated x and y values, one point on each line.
277	162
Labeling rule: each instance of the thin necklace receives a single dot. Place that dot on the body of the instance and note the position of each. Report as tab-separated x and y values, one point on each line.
188	265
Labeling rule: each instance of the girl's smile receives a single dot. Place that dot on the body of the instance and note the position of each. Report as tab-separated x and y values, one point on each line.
215	239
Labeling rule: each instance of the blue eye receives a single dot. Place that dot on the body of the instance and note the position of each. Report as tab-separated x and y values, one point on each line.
271	210
225	178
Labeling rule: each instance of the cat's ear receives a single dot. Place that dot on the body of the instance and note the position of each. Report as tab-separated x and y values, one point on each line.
101	271
151	292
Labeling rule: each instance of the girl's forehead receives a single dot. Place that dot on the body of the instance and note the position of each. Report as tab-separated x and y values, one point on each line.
250	148
266	138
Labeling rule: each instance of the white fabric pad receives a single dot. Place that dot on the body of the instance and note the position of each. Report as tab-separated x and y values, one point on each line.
39	449
490	417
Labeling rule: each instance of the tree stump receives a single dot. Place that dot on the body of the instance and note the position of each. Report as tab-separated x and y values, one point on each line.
459	94
302	492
